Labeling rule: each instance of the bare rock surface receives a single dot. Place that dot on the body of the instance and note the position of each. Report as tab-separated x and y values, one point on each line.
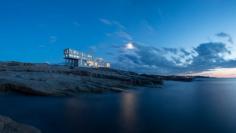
45	80
7	125
56	80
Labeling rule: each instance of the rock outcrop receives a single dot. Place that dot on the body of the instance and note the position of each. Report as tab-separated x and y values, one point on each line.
45	80
56	80
7	125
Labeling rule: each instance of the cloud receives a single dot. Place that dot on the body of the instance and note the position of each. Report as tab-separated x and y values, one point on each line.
52	39
49	42
145	59
185	52
225	35
119	30
172	50
76	24
105	21
112	23
209	56
119	25
149	59
124	35
148	27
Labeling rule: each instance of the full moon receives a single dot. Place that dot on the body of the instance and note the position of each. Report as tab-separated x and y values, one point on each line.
129	46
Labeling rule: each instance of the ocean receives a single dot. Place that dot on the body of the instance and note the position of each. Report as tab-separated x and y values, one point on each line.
201	106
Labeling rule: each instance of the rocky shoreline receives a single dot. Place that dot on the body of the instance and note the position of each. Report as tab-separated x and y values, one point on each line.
7	125
56	80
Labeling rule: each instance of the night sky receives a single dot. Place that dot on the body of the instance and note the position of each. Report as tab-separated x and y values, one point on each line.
153	36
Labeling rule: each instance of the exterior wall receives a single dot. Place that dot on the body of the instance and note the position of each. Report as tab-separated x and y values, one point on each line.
78	59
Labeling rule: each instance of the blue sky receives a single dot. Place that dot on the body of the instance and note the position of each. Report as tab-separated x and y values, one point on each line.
39	30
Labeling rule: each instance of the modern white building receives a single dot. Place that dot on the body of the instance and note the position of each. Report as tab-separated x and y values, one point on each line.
79	59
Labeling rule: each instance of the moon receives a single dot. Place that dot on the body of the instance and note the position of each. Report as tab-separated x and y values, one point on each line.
129	46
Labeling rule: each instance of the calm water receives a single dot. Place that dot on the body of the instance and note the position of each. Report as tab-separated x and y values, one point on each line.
178	107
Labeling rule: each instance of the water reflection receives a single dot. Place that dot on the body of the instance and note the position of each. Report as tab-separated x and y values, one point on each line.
72	107
128	111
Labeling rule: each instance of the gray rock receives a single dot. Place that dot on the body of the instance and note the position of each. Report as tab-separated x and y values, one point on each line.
7	125
45	80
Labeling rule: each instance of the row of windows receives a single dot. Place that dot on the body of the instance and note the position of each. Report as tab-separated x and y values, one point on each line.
89	64
69	53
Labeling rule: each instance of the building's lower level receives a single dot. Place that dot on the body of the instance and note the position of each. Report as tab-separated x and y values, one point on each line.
78	59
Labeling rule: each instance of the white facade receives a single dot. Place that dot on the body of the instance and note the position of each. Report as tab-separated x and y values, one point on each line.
79	59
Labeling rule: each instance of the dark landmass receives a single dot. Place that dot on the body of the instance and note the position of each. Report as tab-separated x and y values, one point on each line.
172	78
202	77
56	80
7	125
